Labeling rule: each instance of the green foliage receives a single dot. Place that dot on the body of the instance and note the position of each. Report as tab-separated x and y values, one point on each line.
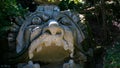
75	1
112	59
8	10
71	4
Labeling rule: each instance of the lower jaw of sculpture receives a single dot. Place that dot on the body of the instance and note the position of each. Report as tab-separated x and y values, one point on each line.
51	53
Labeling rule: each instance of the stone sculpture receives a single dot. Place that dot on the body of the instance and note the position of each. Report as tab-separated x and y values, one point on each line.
49	36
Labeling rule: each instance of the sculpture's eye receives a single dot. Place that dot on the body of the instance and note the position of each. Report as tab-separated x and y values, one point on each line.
36	21
65	21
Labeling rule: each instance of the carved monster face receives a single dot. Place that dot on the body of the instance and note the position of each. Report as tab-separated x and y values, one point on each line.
49	35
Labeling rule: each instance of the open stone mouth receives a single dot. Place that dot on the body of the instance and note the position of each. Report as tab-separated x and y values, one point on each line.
51	47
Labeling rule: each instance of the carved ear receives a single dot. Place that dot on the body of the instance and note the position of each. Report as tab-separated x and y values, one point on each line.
20	37
19	41
80	28
23	40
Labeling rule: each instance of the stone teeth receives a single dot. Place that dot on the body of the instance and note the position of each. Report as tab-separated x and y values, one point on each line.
58	43
31	55
71	48
39	49
71	55
47	43
65	45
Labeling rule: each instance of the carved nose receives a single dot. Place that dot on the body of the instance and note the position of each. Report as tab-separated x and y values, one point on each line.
54	30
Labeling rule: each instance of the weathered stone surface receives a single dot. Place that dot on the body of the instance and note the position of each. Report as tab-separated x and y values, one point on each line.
49	35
